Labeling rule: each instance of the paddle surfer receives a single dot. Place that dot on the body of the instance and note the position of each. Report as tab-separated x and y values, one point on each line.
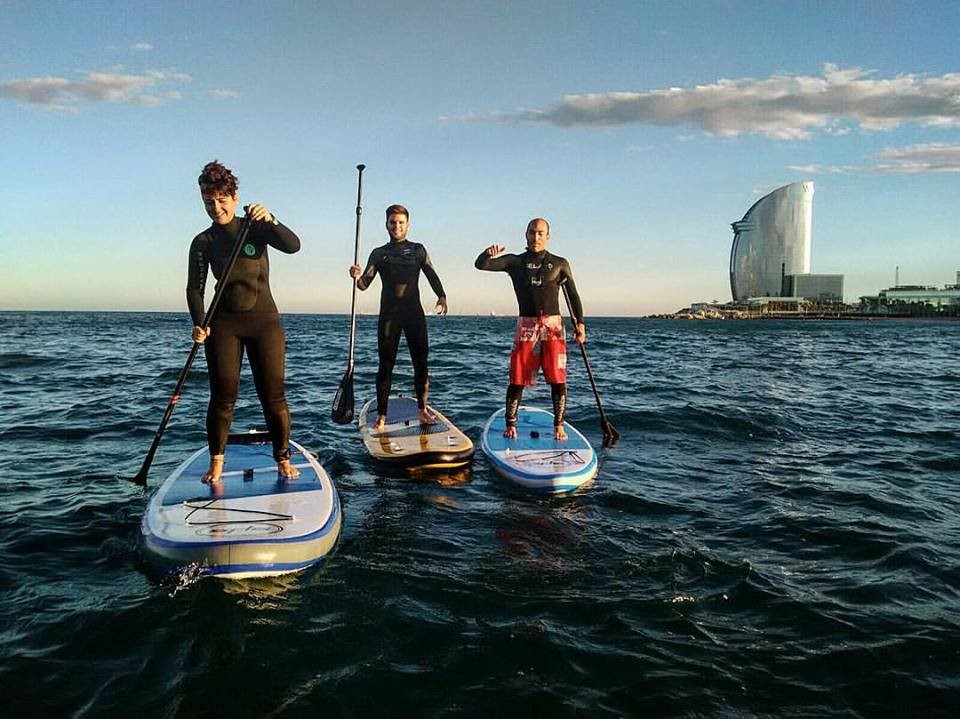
247	319
540	337
399	263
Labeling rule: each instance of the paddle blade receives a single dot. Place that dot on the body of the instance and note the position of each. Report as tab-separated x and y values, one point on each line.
610	435
342	412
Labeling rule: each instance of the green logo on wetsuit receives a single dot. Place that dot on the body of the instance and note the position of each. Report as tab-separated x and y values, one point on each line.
249	250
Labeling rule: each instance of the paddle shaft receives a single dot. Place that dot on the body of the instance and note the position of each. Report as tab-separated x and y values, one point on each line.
356	261
141	477
610	435
342	410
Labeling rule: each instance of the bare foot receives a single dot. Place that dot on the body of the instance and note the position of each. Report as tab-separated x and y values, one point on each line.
287	470
381	423
559	433
510	432
426	417
212	475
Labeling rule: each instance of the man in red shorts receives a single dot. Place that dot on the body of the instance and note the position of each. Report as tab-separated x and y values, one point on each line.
539	340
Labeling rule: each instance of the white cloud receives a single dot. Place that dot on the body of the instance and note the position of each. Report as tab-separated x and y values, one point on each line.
931	157
141	47
114	87
785	107
915	159
224	93
822	169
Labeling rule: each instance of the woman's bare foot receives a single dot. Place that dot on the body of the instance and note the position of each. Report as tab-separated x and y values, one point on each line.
212	475
559	432
287	470
381	423
426	417
510	432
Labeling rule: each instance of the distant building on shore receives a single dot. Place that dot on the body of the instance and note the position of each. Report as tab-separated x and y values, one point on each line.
914	300
771	250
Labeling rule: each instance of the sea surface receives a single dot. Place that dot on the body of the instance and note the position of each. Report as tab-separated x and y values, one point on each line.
776	534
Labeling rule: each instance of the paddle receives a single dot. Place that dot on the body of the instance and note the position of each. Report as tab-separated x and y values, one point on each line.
342	411
141	477
610	434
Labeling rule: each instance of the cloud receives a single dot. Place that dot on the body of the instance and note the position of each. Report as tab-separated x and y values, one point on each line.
783	107
823	169
931	157
224	93
141	47
145	90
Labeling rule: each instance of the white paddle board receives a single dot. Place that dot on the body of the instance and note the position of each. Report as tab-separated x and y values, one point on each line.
253	522
535	460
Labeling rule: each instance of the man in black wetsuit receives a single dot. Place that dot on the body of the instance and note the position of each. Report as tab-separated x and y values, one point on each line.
247	320
539	339
399	263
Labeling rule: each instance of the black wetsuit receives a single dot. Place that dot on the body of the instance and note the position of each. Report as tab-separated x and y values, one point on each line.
536	278
399	265
246	320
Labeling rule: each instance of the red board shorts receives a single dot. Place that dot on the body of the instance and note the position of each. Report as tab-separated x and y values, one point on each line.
539	342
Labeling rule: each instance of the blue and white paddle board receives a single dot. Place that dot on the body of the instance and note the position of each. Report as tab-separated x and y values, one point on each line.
535	460
405	442
253	522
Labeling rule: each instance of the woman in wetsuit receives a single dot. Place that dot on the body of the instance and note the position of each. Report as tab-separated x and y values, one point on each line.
247	319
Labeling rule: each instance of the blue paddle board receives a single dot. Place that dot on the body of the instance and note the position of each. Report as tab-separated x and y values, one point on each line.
535	460
253	522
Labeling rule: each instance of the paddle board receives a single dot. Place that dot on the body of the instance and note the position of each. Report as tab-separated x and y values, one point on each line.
535	460
405	442
253	523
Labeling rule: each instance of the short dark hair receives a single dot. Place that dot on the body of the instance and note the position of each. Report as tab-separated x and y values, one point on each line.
216	177
397	210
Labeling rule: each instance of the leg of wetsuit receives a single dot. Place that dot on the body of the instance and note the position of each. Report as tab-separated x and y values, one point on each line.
388	340
224	352
266	352
416	331
558	393
514	395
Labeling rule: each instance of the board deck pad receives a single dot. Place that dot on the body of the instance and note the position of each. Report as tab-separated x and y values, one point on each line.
535	460
405	442
253	522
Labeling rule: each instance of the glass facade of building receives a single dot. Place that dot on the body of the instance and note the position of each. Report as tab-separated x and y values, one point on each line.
771	241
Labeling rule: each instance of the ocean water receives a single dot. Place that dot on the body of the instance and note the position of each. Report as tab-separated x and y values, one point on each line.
776	534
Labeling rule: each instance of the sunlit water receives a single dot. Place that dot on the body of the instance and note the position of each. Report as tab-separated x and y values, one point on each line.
776	533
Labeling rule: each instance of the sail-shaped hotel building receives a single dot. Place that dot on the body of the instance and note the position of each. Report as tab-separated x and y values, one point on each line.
772	242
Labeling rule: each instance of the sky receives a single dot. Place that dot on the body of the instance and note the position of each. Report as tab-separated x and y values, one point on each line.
639	129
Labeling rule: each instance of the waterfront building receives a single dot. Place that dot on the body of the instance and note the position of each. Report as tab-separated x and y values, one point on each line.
772	241
817	288
914	300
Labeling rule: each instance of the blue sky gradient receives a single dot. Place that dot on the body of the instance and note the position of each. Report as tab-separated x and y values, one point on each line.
641	130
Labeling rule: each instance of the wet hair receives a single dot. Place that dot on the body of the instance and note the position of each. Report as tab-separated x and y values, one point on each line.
216	177
539	219
397	210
